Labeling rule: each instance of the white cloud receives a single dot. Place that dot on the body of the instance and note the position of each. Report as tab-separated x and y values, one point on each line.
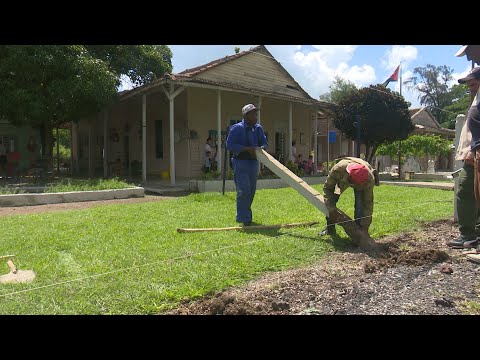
335	53
359	75
457	76
315	70
399	54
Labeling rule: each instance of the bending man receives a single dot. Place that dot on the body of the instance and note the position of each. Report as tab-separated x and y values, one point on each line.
361	176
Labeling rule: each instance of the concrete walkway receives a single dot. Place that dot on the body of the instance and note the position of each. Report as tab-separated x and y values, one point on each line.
421	184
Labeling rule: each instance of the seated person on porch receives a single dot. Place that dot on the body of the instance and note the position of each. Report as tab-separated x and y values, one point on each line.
207	166
309	166
214	161
299	162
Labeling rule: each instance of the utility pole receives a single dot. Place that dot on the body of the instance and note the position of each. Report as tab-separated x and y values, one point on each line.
400	141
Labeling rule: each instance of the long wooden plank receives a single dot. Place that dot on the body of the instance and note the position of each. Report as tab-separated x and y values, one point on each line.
309	193
253	227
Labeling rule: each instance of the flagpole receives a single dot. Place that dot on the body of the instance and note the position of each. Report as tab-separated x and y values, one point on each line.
400	142
400	78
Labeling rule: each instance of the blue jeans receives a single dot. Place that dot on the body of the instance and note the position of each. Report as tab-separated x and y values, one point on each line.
245	178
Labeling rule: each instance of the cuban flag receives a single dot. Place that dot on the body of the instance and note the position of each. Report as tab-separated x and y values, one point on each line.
393	77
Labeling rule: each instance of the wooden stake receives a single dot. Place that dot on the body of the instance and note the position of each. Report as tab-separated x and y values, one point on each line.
254	227
12	266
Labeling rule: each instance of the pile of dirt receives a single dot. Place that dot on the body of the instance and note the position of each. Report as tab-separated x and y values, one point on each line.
413	273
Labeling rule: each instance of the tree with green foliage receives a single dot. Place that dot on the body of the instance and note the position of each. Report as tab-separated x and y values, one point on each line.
384	117
47	85
432	83
339	89
459	105
142	64
416	145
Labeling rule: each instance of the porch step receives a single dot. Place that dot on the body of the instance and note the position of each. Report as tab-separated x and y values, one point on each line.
167	191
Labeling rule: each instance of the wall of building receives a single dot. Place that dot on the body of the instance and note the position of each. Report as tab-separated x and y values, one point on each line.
202	118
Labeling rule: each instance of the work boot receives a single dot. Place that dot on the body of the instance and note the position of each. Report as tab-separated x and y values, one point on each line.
331	227
463	242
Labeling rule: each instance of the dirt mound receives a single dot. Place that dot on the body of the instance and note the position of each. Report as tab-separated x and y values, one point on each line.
413	258
414	273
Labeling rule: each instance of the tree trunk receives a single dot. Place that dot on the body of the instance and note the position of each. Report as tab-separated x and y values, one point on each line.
47	147
367	150
372	154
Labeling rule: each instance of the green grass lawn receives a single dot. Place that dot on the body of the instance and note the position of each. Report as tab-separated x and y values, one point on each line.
75	244
66	185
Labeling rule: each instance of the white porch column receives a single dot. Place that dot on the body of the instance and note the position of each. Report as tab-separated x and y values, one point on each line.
315	140
259	113
172	140
144	138
90	160
219	131
259	119
105	143
458	164
171	95
290	130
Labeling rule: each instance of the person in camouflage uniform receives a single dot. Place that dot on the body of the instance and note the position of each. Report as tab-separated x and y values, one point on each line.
362	177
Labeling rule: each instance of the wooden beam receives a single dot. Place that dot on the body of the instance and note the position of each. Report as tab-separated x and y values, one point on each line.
12	266
177	92
167	94
254	227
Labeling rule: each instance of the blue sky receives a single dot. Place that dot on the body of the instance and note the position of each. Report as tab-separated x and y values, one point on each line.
315	66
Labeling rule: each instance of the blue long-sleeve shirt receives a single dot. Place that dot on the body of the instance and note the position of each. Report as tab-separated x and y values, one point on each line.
242	135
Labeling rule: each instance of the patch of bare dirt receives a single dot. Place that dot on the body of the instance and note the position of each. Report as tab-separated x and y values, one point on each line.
20	210
412	273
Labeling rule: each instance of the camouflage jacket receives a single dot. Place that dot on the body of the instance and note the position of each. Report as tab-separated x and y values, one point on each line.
337	182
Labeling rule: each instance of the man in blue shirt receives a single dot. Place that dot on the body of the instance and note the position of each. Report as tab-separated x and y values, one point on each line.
244	137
